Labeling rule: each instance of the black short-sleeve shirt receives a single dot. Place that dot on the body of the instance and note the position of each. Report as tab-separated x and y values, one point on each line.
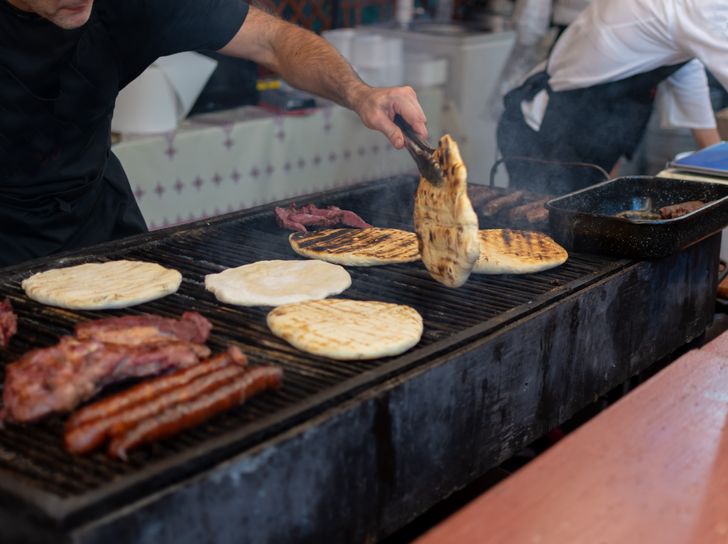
58	87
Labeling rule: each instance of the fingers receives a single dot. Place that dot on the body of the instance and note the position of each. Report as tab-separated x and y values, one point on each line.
380	107
409	108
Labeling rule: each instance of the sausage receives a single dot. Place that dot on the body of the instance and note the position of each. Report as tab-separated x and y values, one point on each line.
87	437
522	213
189	414
152	388
683	208
496	205
480	194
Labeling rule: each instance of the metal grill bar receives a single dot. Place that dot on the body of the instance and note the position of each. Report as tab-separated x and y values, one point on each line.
32	457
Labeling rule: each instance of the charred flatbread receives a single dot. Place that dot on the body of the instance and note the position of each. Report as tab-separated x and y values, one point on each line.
357	247
445	222
102	286
347	329
505	251
272	283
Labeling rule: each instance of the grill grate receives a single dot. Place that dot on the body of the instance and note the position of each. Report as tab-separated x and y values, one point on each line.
32	457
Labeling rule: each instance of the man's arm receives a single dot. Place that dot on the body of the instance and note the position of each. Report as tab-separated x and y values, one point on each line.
310	63
705	137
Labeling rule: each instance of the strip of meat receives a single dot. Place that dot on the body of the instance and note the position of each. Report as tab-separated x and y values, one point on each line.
60	377
283	218
198	410
136	330
677	210
350	219
150	389
91	435
295	218
8	323
496	205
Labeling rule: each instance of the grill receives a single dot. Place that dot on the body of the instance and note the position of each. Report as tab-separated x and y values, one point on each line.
332	455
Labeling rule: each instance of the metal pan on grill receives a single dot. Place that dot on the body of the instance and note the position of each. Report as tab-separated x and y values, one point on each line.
620	217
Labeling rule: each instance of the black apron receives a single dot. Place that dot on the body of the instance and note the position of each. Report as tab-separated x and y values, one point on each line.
61	187
595	125
68	216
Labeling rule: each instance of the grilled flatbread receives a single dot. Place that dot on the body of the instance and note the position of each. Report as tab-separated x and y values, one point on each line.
102	286
445	222
347	329
357	247
272	283
505	251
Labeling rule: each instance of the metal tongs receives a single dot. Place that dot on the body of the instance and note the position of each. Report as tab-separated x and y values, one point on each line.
421	152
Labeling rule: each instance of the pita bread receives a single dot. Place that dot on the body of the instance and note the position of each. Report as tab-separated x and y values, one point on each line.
102	286
347	329
357	247
505	251
445	222
272	283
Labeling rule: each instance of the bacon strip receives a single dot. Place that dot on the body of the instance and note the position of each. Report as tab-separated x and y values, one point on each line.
135	330
150	389
60	377
195	411
8	323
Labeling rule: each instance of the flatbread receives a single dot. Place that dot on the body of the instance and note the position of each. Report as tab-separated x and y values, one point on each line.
347	329
357	247
505	251
445	222
272	283
102	286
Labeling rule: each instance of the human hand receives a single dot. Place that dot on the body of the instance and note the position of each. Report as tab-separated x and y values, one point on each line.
377	106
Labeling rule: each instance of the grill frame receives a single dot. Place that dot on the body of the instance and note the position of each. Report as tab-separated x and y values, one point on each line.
76	511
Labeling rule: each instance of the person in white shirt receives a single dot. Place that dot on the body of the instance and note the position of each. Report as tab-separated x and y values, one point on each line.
591	100
537	24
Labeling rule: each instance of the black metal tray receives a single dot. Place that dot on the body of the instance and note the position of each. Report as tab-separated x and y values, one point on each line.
585	220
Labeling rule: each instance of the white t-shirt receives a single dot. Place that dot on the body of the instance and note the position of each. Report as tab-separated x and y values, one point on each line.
533	18
615	39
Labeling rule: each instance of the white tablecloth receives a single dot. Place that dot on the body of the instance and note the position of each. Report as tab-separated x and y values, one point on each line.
237	159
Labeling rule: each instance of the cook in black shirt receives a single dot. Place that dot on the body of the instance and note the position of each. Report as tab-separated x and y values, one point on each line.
62	64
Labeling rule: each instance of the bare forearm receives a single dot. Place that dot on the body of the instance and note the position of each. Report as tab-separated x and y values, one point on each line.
300	57
705	137
308	62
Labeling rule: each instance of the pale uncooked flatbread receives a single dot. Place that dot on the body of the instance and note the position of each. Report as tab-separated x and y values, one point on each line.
272	283
445	222
102	286
357	247
505	251
347	329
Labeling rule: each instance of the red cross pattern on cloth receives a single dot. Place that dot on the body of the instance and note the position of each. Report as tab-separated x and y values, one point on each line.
179	186
235	176
228	142
159	189
198	183
139	192
171	151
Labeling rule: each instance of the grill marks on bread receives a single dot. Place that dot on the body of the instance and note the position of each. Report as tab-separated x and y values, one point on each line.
347	329
357	247
445	222
506	251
